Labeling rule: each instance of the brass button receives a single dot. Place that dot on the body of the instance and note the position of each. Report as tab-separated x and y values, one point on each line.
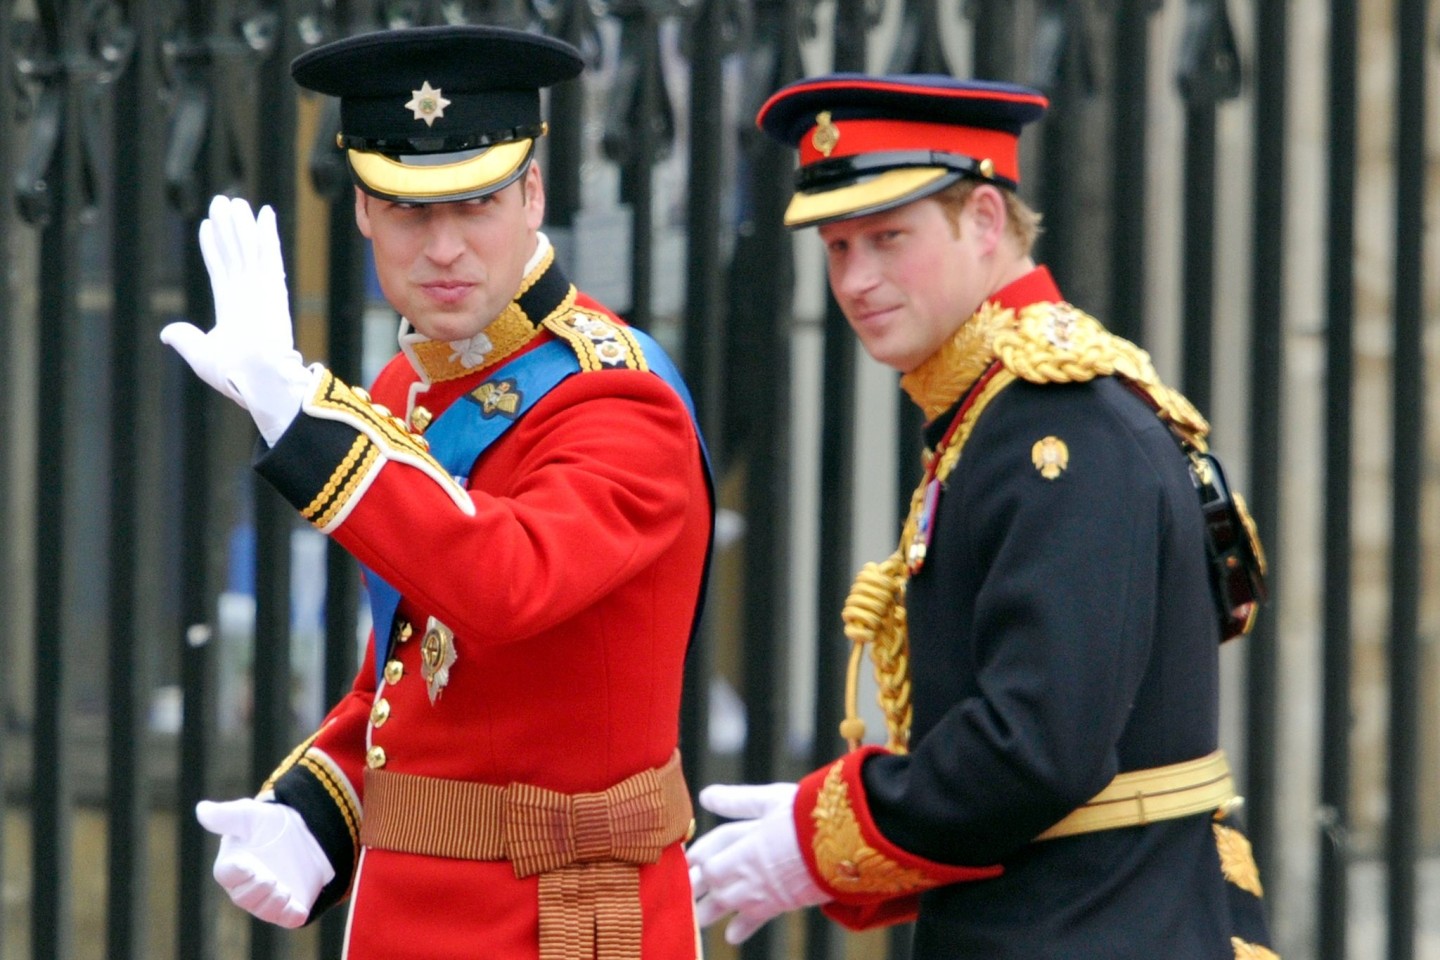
380	712
361	393
382	411
405	630
394	670
420	419
375	758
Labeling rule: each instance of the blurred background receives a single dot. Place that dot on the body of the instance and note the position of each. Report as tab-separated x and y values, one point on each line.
1244	187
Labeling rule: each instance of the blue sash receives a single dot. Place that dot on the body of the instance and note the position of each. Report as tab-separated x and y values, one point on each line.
469	426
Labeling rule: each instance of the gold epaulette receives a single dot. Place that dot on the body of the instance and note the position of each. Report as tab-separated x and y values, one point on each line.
1053	342
598	341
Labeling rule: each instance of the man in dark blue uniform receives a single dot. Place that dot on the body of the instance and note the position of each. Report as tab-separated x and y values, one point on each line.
1052	784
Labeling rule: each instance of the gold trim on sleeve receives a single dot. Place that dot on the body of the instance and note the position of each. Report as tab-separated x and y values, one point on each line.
336	785
1244	950
384	437
346	479
292	758
843	858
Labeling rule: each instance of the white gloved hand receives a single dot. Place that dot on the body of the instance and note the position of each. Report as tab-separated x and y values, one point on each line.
751	867
269	863
249	355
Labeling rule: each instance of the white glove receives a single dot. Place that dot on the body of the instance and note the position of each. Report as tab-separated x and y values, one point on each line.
249	355
269	863
751	867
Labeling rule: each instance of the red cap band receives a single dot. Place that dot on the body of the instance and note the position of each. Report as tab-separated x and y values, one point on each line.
855	137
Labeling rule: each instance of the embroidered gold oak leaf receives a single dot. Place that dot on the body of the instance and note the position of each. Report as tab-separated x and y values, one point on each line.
1252	951
941	379
1237	861
841	854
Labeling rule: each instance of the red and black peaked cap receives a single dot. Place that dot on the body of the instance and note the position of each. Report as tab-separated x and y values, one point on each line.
871	143
432	114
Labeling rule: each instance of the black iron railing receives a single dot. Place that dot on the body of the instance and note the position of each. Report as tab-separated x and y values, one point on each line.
119	120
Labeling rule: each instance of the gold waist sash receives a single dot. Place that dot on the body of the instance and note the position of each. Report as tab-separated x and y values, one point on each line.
586	847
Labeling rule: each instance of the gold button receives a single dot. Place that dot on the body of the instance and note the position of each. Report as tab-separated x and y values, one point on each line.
361	393
404	632
420	419
382	411
375	758
394	670
380	712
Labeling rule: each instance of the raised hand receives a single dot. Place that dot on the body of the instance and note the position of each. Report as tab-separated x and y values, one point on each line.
249	355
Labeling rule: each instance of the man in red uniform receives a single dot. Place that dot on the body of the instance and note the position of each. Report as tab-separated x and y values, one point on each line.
527	492
1045	636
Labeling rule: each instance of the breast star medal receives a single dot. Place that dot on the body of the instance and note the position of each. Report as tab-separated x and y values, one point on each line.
437	656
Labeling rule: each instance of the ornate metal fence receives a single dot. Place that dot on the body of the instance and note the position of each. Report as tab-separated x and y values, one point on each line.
171	630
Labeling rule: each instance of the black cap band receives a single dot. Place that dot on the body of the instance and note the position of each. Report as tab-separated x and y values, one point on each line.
421	145
827	173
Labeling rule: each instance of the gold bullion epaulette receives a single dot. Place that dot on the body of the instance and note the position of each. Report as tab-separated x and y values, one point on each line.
1054	342
598	341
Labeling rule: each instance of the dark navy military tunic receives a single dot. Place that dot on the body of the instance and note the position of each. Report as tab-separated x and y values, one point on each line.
1061	631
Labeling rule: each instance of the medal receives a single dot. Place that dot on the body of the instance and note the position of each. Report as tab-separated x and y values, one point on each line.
437	656
924	527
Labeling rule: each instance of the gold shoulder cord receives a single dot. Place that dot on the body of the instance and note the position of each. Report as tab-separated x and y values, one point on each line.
1043	343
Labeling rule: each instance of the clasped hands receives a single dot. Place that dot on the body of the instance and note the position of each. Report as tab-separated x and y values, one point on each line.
249	355
751	867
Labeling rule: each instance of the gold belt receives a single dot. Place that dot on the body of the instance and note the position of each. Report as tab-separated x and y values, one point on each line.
586	847
1138	797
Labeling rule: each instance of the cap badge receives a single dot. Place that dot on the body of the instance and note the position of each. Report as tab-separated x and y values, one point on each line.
428	103
1050	456
437	656
987	168
826	135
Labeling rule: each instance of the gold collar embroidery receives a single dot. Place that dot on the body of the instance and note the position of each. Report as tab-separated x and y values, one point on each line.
944	377
439	360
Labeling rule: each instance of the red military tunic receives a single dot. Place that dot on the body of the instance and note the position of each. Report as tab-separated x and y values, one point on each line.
568	566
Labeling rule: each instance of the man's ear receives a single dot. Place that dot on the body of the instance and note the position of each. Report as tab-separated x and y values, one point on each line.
534	197
988	216
362	212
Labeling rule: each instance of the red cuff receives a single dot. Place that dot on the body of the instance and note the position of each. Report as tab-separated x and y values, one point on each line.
872	916
844	849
